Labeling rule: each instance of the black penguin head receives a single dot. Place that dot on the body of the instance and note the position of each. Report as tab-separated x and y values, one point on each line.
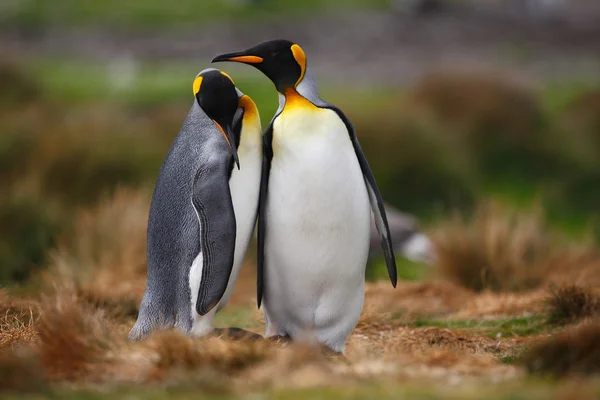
216	94
282	61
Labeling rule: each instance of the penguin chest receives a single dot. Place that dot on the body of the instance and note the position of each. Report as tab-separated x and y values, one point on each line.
318	215
244	185
314	164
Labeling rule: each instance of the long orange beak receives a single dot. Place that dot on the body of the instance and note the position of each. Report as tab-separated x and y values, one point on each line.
238	57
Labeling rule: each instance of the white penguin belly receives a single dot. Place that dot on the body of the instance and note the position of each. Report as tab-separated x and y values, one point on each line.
244	186
317	235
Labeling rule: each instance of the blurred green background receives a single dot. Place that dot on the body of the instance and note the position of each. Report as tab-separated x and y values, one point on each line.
452	100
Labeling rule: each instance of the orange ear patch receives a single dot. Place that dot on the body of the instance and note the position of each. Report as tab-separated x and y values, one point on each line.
196	85
227	76
300	58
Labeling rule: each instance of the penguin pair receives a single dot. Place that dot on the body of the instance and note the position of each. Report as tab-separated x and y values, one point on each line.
314	212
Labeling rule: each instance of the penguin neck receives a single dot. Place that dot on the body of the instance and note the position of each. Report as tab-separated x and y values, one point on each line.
307	87
304	94
250	109
293	99
250	134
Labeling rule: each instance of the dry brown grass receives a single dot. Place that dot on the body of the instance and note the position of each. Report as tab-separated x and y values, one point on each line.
410	300
99	271
574	351
75	340
16	330
582	116
20	371
429	353
488	304
295	366
80	343
504	250
17	320
177	350
474	102
571	303
105	256
18	88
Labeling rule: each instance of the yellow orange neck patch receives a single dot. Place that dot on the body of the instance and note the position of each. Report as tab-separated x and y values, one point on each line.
295	101
250	109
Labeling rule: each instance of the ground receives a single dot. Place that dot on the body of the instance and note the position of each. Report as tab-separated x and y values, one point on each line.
66	336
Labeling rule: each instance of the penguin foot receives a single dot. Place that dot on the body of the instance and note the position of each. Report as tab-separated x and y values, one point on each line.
331	354
236	333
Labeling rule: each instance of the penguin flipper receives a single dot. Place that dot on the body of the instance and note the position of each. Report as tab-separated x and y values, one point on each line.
375	198
262	209
211	198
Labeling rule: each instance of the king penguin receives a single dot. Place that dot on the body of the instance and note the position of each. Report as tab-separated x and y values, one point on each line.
203	210
316	192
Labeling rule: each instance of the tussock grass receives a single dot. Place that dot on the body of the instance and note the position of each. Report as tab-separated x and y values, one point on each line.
21	371
572	352
105	255
500	249
571	303
74	339
493	328
500	124
18	88
582	115
79	169
177	350
17	321
16	330
29	228
53	165
406	151
478	102
61	157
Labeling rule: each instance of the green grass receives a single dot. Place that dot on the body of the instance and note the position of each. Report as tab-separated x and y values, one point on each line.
557	95
494	328
240	317
512	356
76	82
165	14
407	270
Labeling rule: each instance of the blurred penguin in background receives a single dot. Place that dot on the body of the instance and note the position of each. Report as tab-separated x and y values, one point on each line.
407	238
